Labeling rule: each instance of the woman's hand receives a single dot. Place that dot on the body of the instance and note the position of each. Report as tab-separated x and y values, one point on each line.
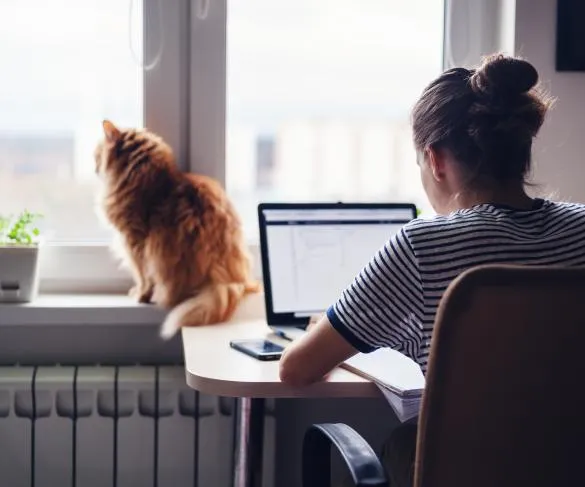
314	355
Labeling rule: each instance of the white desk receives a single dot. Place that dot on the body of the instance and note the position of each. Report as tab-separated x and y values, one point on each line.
212	367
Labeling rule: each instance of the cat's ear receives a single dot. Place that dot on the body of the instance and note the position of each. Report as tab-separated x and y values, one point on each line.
111	132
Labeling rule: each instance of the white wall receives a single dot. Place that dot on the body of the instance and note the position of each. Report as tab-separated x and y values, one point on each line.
559	156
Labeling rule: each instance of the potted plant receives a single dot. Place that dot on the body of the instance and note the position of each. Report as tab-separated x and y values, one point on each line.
19	258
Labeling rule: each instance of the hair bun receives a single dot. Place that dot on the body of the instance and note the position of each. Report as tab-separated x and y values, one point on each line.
504	75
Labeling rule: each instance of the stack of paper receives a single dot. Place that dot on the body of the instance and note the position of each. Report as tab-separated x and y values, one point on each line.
399	378
405	408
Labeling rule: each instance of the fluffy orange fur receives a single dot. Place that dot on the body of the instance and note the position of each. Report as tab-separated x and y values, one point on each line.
180	235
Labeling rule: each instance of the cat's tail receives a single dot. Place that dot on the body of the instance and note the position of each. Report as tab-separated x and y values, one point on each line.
213	304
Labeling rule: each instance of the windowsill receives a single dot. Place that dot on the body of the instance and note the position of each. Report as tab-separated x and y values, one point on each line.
81	309
101	309
99	292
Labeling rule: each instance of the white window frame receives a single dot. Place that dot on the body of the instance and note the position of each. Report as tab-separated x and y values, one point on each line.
185	101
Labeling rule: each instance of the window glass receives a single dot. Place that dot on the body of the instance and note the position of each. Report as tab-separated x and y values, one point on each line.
319	99
66	65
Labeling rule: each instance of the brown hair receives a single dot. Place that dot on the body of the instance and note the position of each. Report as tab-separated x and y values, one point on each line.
485	117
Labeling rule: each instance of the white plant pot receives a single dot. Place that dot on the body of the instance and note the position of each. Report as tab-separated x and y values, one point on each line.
19	273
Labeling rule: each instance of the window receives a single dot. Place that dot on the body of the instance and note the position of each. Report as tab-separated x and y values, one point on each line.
319	96
66	66
282	101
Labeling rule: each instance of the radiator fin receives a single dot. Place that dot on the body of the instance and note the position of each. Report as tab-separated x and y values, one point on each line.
64	427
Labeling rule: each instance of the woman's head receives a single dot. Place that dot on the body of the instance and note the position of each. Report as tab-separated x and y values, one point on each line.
473	129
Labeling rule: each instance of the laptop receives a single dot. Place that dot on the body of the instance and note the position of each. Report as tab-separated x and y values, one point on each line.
312	251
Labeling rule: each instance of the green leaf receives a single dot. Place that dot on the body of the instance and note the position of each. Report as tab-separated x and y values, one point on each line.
17	230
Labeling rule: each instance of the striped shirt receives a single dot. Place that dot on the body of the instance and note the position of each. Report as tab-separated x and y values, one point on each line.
393	300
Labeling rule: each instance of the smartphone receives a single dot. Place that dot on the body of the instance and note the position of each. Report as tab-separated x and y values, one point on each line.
260	349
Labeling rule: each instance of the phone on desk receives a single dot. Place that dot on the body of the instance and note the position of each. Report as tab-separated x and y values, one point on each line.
260	349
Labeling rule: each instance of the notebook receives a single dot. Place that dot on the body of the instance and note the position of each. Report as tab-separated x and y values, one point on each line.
398	377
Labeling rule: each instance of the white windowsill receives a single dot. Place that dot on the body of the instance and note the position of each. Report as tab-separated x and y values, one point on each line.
101	309
81	284
81	309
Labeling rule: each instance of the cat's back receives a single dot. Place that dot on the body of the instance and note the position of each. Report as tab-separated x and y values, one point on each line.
207	188
204	195
201	202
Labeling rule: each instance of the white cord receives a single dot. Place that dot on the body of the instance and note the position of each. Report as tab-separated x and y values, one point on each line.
159	51
202	9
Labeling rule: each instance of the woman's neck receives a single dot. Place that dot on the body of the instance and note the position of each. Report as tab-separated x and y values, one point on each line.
513	196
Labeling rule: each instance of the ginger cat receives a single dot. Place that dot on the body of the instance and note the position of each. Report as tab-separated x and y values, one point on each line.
180	235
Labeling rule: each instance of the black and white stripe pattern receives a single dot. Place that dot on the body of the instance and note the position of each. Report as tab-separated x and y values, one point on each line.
394	299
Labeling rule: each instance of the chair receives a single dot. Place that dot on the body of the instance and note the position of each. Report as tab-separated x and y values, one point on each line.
504	404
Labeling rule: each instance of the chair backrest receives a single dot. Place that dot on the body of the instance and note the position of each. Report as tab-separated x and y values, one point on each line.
504	403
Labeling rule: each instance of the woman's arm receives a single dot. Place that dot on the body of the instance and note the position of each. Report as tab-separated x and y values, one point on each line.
314	355
382	307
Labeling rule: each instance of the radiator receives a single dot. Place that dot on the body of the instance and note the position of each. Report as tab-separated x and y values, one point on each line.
101	426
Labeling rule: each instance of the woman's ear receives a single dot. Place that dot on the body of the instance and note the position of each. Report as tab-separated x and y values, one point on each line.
436	160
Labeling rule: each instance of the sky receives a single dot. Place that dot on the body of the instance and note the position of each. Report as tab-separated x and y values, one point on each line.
355	58
63	60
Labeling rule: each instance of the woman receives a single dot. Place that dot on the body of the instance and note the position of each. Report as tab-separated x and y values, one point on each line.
473	132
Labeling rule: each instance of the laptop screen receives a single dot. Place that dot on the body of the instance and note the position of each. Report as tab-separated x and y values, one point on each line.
314	253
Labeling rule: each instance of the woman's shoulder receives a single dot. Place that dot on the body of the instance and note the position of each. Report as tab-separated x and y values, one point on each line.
488	214
576	207
437	222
